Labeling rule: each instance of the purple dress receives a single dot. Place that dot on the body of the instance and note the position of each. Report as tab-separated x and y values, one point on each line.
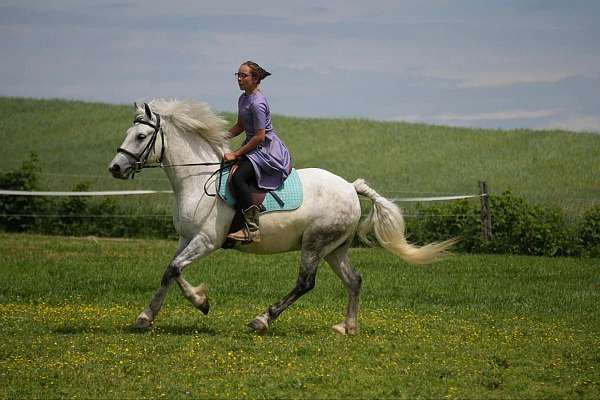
270	159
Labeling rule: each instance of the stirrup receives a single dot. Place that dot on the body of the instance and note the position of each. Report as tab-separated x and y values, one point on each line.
240	236
245	235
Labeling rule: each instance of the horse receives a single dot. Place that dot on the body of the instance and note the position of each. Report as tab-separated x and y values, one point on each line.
188	139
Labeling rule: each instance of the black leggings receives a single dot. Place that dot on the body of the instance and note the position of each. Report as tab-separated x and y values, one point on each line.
243	180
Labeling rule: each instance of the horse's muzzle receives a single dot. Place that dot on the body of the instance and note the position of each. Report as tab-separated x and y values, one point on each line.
120	167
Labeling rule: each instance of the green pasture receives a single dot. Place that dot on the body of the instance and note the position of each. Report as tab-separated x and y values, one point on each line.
467	327
75	142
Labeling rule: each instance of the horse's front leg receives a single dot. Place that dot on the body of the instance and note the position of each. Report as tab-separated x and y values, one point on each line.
187	252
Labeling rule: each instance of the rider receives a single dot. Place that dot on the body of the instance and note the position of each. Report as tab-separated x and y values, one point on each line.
262	160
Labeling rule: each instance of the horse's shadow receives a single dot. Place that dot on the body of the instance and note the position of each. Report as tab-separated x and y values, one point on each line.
181	330
177	330
191	330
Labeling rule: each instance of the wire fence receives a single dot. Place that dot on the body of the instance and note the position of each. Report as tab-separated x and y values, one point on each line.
392	194
167	204
136	196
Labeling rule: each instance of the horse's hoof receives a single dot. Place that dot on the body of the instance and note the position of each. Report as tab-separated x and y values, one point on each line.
339	329
200	298
351	330
204	307
259	324
343	329
142	324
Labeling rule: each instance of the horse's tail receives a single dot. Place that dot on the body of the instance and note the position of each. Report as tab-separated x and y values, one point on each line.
386	222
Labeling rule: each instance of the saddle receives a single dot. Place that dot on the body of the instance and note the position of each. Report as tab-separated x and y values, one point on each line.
287	197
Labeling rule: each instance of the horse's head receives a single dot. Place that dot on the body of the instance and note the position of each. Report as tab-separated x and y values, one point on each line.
139	146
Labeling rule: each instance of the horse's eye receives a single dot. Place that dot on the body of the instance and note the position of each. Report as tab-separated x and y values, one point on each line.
141	136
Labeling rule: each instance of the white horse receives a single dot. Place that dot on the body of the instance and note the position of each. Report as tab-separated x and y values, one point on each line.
176	134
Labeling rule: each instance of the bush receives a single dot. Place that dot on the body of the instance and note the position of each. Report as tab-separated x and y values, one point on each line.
517	228
17	213
589	232
76	216
522	228
439	222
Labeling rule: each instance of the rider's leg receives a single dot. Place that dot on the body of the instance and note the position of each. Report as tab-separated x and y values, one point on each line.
242	181
241	191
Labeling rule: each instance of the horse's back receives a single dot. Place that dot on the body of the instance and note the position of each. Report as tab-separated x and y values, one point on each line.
330	205
322	187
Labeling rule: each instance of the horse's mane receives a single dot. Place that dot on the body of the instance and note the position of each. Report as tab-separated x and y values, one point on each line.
193	116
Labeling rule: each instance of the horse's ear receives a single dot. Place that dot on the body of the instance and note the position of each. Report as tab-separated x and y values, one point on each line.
135	105
148	112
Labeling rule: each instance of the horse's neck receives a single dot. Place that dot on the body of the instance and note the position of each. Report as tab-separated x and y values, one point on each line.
188	148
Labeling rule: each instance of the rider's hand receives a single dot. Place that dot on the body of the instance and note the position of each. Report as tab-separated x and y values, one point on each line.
229	156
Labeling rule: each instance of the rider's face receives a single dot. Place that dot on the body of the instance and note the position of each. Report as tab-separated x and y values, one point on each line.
245	79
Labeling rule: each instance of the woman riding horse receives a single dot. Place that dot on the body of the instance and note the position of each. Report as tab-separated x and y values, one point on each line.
263	159
188	140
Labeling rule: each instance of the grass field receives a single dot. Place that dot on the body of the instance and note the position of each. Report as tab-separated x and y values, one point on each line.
467	327
75	142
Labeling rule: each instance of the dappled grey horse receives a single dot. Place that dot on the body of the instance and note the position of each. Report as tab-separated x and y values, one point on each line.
188	139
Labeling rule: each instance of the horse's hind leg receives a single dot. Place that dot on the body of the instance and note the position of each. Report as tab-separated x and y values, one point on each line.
338	260
309	261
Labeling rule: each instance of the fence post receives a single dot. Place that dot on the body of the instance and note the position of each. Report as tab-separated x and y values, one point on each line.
486	217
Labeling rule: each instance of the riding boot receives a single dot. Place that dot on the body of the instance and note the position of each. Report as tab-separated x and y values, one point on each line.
250	232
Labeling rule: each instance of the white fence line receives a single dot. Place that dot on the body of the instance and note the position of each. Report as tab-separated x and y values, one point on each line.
143	192
88	215
8	215
105	176
439	198
82	194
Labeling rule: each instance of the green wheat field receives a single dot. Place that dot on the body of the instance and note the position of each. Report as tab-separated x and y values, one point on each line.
75	142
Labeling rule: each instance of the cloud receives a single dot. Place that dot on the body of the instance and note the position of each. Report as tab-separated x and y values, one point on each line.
533	119
496	116
491	119
466	63
579	123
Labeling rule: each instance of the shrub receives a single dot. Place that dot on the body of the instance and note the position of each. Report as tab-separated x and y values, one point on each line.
71	215
589	232
521	228
17	213
447	220
517	227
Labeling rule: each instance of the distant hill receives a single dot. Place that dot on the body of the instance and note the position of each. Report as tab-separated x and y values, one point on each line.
76	140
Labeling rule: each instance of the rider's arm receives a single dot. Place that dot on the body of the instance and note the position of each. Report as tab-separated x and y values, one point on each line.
254	141
236	129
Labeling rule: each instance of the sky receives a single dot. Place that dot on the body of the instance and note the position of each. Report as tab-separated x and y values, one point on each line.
500	64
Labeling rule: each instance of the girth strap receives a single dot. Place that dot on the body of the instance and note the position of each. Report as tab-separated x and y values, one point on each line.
277	198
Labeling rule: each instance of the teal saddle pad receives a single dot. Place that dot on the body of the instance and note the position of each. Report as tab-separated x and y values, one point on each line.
290	193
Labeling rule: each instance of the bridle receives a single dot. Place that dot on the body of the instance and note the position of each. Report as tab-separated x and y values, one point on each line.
142	158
